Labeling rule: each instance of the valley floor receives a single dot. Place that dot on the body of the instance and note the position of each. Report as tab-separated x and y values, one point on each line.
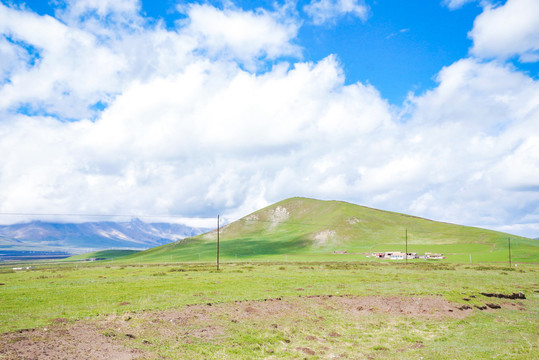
269	311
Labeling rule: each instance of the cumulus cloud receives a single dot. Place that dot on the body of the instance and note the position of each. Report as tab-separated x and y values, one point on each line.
324	11
219	133
61	70
480	127
187	128
507	30
241	35
67	67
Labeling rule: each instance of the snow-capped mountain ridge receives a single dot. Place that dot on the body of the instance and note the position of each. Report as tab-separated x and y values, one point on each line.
75	238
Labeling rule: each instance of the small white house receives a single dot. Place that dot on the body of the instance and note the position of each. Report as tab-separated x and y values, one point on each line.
23	268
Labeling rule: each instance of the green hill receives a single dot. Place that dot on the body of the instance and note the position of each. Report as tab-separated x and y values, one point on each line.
103	254
307	229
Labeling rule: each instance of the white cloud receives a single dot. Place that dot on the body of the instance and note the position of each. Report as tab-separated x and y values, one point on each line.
9	56
479	135
507	30
324	11
519	170
84	60
194	133
241	35
102	7
69	72
456	4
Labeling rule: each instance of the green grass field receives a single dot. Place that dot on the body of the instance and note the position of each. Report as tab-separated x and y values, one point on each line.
96	291
103	254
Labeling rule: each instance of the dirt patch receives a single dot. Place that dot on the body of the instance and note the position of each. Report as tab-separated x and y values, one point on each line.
278	215
306	350
115	336
425	306
252	217
354	220
324	237
74	341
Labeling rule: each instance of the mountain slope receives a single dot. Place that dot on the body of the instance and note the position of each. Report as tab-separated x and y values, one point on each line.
77	238
102	254
314	229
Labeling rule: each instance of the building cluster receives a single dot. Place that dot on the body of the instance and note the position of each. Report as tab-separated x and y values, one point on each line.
397	255
23	268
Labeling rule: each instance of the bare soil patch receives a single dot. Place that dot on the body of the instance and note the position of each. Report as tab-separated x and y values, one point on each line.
81	340
115	336
426	306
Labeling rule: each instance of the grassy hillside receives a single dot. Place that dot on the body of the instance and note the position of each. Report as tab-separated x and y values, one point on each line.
307	229
103	254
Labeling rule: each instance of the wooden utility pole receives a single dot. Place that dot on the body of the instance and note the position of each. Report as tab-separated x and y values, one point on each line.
406	253
509	241
217	242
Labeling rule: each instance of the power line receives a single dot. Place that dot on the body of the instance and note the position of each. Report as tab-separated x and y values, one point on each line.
88	215
347	226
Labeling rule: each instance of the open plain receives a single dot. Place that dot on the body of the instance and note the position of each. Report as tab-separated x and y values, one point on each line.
269	310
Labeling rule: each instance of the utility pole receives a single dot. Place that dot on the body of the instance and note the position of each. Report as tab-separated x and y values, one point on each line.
217	242
509	241
406	254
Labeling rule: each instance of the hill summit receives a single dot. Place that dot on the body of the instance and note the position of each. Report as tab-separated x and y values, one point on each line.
310	229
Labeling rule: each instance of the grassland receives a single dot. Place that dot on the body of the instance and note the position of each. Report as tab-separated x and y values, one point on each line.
103	254
281	293
131	305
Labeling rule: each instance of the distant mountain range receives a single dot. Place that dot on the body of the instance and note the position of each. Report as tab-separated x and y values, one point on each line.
42	237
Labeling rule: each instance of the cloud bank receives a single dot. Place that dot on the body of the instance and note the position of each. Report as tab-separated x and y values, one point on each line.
104	112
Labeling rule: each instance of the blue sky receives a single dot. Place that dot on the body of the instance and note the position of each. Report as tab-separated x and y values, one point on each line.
221	107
